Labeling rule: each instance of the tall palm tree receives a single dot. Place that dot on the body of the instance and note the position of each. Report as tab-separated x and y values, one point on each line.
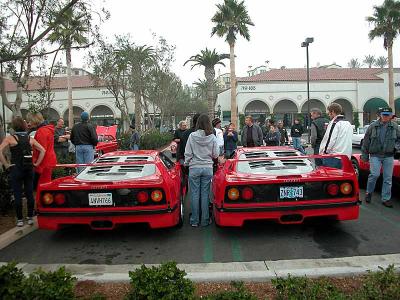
354	63
72	30
369	60
208	59
386	22
381	62
230	20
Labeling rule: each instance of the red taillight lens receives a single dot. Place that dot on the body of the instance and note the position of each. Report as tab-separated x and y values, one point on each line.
346	188
142	197
47	199
247	193
332	189
156	195
233	194
59	199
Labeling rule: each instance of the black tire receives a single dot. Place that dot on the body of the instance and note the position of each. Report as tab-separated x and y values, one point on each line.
181	213
360	175
361	142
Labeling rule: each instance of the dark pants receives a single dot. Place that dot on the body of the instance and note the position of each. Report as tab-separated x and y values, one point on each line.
318	161
22	177
61	153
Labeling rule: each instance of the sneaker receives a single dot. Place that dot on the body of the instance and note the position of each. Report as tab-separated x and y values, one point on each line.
20	223
368	198
29	221
194	225
209	222
388	203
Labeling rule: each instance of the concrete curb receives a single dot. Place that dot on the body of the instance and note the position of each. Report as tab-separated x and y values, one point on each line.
246	271
16	233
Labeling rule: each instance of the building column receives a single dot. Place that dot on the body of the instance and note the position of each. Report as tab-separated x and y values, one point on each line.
361	118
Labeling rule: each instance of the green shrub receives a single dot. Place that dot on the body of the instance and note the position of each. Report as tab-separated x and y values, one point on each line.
124	141
383	285
165	282
154	139
11	280
239	293
304	288
58	285
62	172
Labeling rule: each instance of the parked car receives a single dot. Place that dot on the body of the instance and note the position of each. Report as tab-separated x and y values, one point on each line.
107	139
358	136
275	183
118	188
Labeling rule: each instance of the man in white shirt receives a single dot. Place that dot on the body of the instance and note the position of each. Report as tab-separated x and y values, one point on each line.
219	134
337	138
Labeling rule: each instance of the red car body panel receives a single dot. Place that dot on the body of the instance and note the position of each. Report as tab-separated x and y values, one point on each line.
126	207
265	187
107	136
364	166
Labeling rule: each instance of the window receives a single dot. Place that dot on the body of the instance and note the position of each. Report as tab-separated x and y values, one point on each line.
76	72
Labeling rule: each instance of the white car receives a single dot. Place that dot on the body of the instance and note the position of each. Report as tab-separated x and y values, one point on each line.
358	136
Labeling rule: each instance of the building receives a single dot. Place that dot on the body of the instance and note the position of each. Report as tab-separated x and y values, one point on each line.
282	93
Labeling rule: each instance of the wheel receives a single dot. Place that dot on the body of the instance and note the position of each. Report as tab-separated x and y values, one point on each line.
356	167
181	213
361	142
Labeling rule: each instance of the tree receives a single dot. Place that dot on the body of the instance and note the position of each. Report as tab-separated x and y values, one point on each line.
208	59
386	22
230	20
381	62
354	63
369	60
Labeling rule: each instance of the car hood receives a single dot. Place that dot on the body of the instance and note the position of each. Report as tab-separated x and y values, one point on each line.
107	130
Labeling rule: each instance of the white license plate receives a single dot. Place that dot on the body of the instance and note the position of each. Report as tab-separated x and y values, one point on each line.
100	199
291	192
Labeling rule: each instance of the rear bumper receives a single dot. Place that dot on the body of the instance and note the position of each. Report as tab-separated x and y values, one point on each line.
108	220
286	214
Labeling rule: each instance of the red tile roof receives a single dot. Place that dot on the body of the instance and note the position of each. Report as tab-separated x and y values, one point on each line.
315	74
57	83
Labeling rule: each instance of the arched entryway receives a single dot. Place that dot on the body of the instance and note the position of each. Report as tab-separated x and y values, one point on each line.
77	115
371	107
257	109
102	115
347	109
308	106
285	110
51	115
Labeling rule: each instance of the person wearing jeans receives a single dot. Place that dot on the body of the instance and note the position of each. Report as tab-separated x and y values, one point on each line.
201	149
296	132
375	164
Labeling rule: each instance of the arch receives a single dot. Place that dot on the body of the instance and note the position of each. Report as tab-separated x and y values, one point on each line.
258	109
285	110
347	108
77	110
371	107
102	115
314	103
50	114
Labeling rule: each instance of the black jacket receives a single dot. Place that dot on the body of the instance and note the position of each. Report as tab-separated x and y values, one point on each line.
296	130
84	134
180	154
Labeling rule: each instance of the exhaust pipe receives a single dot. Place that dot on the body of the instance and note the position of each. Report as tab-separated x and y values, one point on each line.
102	225
291	219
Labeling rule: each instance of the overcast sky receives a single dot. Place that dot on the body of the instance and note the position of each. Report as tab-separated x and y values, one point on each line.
339	29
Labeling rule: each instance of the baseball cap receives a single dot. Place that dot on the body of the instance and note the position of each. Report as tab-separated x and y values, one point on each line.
84	116
387	111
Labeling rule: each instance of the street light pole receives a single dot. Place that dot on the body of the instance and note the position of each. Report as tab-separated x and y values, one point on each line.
305	44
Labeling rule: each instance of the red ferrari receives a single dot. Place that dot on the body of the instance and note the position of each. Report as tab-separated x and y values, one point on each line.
277	183
107	136
118	188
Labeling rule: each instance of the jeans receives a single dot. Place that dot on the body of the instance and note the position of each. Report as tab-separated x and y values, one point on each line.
135	147
297	144
375	164
84	155
19	177
199	186
332	162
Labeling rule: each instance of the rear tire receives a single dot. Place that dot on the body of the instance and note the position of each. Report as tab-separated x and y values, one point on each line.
360	177
361	142
181	213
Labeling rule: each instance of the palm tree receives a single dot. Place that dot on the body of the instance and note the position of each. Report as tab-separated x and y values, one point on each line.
208	59
71	31
386	22
354	63
369	60
381	62
230	20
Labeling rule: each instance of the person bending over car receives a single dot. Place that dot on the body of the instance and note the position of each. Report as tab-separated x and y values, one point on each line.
380	143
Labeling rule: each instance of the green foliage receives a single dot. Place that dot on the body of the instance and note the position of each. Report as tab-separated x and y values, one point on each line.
384	285
356	120
304	288
62	172
165	282
241	120
154	139
10	282
124	141
239	293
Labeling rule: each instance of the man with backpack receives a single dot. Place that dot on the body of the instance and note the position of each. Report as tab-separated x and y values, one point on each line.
318	128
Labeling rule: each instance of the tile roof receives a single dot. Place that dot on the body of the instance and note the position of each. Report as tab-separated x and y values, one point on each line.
57	83
315	74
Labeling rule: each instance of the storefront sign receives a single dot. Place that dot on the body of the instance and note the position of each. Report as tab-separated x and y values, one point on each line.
246	88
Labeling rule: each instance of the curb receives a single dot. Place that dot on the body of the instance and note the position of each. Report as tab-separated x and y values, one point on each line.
16	233
256	271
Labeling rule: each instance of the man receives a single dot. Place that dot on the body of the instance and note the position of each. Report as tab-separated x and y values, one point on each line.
284	135
252	135
182	126
318	128
135	139
296	131
61	140
337	138
380	143
84	137
216	123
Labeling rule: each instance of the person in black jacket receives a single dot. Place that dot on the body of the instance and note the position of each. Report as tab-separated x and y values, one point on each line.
318	128
84	137
296	132
273	137
284	135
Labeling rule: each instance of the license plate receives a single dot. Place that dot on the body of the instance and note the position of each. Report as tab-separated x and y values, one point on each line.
100	199
291	192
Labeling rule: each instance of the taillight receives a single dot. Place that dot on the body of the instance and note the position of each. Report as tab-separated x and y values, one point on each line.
142	197
233	194
156	195
346	188
247	193
59	199
332	189
47	199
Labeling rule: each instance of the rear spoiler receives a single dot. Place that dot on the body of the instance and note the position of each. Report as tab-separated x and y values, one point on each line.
106	164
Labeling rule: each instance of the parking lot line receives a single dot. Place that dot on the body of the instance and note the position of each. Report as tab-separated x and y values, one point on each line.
208	252
380	215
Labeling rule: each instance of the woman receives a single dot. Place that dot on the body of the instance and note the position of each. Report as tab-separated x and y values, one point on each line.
45	137
230	140
200	150
21	167
273	137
